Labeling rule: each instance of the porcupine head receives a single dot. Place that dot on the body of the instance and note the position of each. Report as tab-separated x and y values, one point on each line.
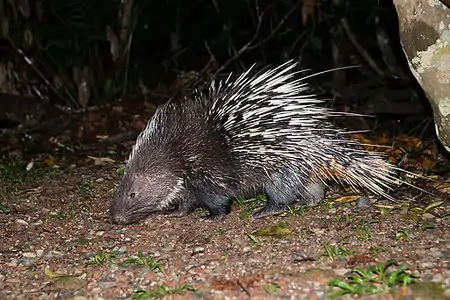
150	183
174	154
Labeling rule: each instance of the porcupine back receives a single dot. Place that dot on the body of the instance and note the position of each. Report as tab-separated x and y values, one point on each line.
272	119
261	133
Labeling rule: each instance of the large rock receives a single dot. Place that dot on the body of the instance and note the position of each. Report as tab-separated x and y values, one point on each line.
425	37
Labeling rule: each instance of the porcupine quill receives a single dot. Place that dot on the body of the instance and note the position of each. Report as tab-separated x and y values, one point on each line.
257	133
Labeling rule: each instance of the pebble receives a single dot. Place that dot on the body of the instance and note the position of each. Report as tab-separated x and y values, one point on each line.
104	285
29	254
341	271
363	203
198	250
22	222
44	297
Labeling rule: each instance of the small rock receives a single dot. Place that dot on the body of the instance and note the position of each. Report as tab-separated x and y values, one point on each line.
29	254
122	250
428	216
12	263
37	223
104	285
44	297
341	271
22	222
363	203
198	250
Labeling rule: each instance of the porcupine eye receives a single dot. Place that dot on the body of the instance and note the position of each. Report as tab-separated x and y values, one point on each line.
132	195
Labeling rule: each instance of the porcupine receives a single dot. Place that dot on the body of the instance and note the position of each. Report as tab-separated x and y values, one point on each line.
258	133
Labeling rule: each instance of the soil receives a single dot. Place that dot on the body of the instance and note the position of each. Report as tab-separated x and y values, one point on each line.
57	242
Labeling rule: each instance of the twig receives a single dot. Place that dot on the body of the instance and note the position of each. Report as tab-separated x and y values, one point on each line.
360	49
246	47
41	75
250	45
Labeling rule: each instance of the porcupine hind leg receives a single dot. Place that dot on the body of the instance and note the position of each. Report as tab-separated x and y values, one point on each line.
218	206
280	192
313	193
280	196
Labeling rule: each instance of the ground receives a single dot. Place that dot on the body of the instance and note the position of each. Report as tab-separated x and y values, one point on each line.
57	242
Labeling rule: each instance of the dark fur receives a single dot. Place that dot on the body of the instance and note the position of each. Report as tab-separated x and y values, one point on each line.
186	149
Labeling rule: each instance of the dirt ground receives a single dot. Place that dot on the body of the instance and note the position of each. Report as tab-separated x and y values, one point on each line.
57	242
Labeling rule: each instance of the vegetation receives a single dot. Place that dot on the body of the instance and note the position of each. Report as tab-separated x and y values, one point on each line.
335	252
373	280
82	52
141	260
101	258
84	190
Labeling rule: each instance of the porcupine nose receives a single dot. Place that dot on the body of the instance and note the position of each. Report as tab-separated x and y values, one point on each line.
119	219
118	216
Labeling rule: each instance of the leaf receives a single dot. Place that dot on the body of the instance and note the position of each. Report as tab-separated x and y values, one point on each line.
341	284
347	199
277	231
433	205
101	161
114	43
308	11
55	274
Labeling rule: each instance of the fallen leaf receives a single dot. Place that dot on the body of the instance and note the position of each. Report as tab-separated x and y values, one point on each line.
101	161
278	231
347	199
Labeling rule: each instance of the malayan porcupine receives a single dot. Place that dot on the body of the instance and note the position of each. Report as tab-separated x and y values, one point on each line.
260	133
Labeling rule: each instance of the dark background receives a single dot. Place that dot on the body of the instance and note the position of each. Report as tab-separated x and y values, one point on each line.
62	57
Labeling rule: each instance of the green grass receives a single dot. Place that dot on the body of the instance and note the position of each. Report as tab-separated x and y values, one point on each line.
17	174
249	206
4	209
272	288
365	232
373	280
402	234
333	253
161	291
141	260
101	258
253	240
84	190
297	210
15	180
72	215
